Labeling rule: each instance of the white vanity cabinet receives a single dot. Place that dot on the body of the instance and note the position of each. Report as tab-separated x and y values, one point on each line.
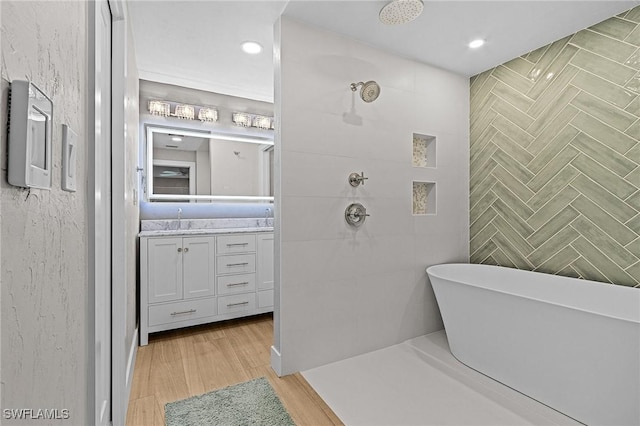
190	280
181	268
236	269
265	270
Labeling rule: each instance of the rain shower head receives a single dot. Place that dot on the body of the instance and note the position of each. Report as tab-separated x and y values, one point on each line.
401	11
369	91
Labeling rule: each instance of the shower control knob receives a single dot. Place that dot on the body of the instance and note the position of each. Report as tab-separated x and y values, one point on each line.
355	214
356	179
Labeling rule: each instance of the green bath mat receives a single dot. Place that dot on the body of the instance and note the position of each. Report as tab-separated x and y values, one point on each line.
249	403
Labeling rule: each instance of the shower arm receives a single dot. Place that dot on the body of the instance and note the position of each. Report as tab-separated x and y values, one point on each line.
354	86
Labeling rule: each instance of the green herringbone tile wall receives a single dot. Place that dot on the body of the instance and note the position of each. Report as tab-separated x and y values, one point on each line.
555	157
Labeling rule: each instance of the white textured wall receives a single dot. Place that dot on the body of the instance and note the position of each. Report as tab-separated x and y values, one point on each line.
344	292
44	233
234	174
203	173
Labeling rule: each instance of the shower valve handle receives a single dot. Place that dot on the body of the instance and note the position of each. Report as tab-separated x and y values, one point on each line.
356	179
355	214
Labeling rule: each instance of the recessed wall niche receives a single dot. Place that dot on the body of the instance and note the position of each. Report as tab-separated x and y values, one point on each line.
424	150
424	198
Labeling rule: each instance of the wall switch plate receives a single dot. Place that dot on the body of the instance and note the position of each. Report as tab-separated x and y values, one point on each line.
30	124
69	148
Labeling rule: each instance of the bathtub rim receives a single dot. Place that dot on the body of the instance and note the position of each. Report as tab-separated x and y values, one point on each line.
432	271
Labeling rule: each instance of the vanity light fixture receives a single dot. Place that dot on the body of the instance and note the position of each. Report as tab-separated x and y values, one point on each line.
182	111
185	112
241	119
251	47
262	122
160	108
476	43
208	115
252	120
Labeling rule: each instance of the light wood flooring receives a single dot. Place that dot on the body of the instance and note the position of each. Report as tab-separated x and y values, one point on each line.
188	362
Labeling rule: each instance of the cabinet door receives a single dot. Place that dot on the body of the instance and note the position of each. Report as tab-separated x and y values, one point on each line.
165	269
265	261
198	262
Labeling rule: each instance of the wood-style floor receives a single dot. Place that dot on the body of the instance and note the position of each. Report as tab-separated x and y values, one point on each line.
188	362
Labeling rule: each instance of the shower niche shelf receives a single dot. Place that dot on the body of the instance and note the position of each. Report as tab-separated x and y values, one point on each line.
424	150
424	198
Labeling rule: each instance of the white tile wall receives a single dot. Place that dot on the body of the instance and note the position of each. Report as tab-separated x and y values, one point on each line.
345	291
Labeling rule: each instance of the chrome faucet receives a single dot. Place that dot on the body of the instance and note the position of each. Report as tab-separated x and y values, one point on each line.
179	218
267	215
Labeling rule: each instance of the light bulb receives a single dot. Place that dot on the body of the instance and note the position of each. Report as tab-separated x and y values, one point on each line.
476	43
251	47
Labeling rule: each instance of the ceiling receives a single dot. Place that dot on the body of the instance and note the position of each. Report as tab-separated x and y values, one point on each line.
188	143
197	43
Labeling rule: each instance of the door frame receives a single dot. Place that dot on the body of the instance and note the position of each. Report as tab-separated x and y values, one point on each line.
123	353
99	221
106	207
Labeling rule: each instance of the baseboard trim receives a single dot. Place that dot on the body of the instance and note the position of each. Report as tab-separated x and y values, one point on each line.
276	361
131	362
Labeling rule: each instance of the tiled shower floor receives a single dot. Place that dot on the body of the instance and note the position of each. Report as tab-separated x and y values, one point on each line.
419	382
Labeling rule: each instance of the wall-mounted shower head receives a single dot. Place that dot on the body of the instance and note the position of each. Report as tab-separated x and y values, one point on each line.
401	11
369	91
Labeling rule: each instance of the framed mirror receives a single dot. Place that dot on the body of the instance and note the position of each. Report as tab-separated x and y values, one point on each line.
186	165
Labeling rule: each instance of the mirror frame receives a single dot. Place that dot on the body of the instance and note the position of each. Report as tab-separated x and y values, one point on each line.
151	129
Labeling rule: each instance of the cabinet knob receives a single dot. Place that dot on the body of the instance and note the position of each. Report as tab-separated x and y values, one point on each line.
186	249
179	249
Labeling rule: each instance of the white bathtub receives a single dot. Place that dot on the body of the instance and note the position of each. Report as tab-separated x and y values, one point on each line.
571	344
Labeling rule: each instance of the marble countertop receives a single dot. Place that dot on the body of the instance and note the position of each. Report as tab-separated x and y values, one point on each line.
169	227
179	232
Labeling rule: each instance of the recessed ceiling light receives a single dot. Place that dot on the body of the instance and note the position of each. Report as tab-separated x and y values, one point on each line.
476	43
176	139
251	47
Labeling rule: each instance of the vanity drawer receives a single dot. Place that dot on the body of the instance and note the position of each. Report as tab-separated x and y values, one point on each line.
236	264
265	298
181	311
236	303
231	284
228	244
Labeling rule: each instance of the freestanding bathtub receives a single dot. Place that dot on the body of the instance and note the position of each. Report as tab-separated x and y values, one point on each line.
571	344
